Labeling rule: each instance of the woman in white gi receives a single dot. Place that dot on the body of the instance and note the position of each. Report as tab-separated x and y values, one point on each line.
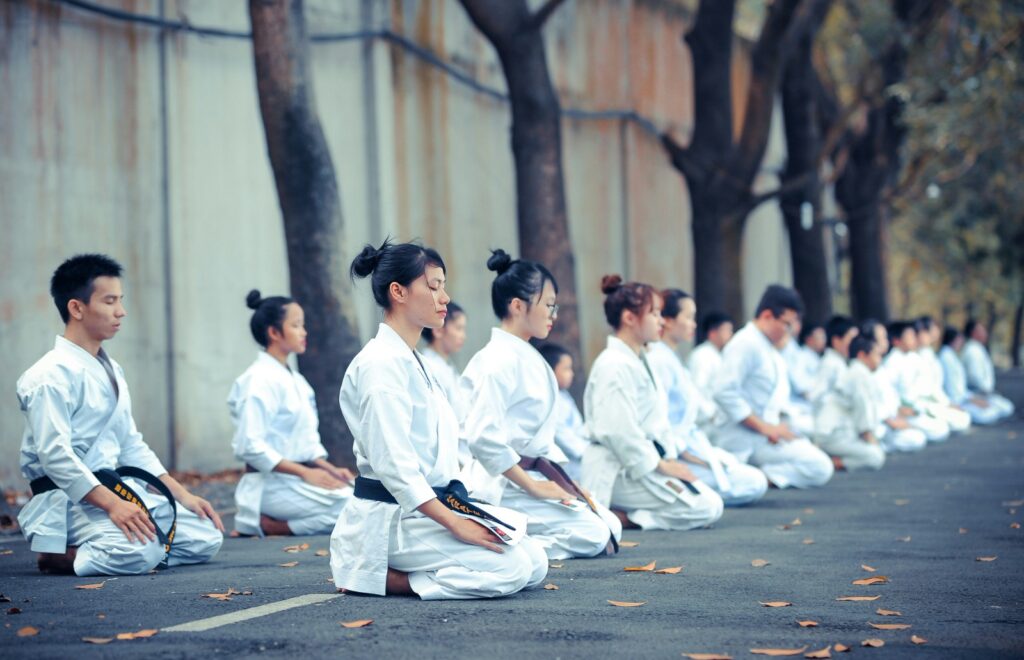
895	432
634	464
981	375
78	421
737	483
437	355
847	415
510	420
405	441
954	381
288	487
753	390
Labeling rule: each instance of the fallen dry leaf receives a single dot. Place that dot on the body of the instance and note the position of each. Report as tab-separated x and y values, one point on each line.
869	569
963	530
841	648
874	643
1013	503
224	596
322	553
28	631
874	579
645	567
296	548
775	603
289	564
858	598
361	623
1014	525
142	634
778	652
672	570
555	565
808	510
628	544
707	656
759	563
14	610
903	539
551	587
985	558
620	603
796	522
918	640
889	626
97	585
808	624
901	502
820	653
97	640
808	541
882	612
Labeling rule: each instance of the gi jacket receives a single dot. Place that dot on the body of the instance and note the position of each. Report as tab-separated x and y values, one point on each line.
981	375
954	380
75	424
406	436
851	405
753	378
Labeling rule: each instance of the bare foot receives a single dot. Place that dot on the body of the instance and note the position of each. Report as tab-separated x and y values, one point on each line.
624	519
58	563
837	463
274	527
397	584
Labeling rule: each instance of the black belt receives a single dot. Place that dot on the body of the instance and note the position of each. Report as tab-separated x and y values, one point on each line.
557	474
310	464
454	496
114	480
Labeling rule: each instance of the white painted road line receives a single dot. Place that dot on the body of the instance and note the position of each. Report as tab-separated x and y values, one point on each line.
251	613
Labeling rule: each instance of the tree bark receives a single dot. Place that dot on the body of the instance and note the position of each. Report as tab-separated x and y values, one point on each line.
543	223
1018	322
307	191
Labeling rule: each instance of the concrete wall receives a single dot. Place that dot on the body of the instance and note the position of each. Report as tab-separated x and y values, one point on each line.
117	139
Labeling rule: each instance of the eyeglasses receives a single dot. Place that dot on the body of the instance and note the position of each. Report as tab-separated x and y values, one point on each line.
552	310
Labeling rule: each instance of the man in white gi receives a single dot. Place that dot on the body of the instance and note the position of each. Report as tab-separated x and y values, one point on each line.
78	421
981	375
752	390
902	364
930	376
705	361
954	381
847	415
803	357
895	432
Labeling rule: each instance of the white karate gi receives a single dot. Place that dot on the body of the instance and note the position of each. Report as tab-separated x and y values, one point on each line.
704	364
904	374
512	393
846	411
954	383
625	413
75	424
754	381
888	402
737	483
802	369
448	376
406	436
274	411
930	377
981	376
570	432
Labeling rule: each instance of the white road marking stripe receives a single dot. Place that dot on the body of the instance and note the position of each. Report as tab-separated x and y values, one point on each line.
251	613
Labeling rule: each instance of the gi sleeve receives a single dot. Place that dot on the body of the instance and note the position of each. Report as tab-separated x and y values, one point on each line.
487	396
254	410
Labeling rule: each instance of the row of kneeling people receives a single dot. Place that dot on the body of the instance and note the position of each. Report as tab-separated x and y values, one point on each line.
470	483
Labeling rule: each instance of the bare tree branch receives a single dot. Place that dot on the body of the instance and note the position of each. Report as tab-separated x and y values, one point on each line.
544	13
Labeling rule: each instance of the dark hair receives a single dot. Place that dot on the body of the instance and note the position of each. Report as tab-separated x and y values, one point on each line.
73	279
713	320
949	335
837	327
393	262
861	344
672	299
516	278
453	311
969	327
619	297
553	353
267	313
777	299
867	326
897	328
807	329
926	322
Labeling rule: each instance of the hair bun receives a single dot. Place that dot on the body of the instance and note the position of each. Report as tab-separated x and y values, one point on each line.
367	260
499	261
254	299
611	284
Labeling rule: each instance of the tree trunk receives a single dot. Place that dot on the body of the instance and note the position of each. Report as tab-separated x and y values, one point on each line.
867	262
1018	321
543	221
307	191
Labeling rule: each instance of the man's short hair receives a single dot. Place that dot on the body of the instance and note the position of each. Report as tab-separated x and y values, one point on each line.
73	279
777	299
838	326
713	321
861	344
807	329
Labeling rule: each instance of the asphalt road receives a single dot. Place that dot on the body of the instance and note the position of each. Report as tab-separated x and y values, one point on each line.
922	522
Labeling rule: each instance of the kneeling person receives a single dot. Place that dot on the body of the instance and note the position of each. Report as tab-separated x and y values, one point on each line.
79	429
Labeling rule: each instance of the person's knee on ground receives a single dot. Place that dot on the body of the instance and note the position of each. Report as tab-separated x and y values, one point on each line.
110	555
748	484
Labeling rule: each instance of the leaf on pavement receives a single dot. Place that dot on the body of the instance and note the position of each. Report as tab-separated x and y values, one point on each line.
620	603
28	631
918	640
289	564
6	551
901	502
796	522
1013	503
820	653
963	530
555	565
869	569
14	610
904	539
985	558
97	585
808	624
224	596
889	626
297	548
141	634
551	587
759	563
778	652
874	643
874	579
808	510
841	648
775	603
361	623
322	553
646	567
882	612
97	640
858	598
628	544
672	570
1015	525
707	656
808	541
